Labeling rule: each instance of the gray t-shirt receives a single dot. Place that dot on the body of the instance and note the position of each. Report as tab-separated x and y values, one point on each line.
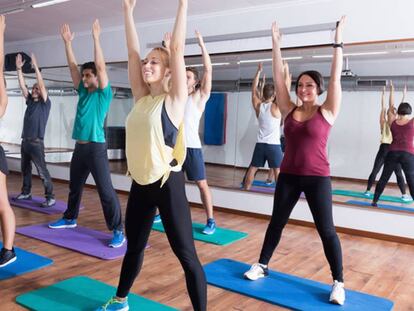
35	117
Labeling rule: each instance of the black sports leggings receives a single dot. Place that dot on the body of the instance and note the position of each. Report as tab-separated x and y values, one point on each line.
379	162
393	159
318	193
175	214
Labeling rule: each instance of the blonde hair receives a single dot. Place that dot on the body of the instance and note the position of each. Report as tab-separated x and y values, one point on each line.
164	55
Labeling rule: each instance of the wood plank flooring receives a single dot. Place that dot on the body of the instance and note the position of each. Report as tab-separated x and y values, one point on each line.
372	266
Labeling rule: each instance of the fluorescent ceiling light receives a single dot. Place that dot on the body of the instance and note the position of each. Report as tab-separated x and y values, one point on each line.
247	61
407	51
322	56
366	53
47	3
213	64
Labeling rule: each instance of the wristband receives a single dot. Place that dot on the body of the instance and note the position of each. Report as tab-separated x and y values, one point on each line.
338	45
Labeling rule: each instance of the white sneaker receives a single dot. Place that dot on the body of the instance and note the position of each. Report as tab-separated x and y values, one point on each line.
405	198
256	271
338	293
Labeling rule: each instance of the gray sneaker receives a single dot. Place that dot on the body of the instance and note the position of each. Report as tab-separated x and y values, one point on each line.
49	202
23	196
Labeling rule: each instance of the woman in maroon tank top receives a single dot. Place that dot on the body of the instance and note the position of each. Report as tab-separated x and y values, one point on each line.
401	150
305	166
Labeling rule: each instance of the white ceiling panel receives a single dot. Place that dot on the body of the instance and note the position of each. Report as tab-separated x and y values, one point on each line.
42	22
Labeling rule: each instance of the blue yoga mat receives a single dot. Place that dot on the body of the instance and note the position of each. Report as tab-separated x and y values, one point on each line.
383	206
215	116
25	262
262	183
287	290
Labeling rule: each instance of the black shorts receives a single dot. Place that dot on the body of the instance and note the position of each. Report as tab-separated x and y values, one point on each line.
3	163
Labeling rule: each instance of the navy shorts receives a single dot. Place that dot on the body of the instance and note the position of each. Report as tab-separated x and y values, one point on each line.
266	152
3	163
194	164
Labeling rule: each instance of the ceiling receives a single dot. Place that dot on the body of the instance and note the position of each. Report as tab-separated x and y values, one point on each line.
35	23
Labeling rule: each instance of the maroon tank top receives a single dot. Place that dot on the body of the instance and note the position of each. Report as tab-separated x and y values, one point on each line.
402	137
306	142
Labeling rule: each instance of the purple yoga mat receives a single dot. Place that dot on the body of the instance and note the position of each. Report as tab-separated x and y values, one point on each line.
35	205
80	239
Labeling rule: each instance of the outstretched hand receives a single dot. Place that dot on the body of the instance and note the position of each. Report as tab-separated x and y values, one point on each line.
19	61
66	34
276	35
259	67
34	61
96	29
167	40
339	29
199	38
129	4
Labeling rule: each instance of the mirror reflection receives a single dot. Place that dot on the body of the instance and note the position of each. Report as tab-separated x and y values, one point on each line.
354	141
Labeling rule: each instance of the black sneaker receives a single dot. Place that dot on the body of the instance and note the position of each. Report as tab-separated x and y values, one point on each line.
7	257
49	202
24	196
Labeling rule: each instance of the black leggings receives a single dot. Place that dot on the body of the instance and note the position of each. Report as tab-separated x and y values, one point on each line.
379	162
392	160
175	214
318	193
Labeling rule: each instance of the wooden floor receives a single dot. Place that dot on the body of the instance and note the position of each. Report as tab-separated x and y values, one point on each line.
381	268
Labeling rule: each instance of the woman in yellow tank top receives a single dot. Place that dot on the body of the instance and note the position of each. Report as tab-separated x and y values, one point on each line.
155	149
386	140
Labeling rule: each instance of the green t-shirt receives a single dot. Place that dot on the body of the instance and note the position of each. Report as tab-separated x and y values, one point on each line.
90	114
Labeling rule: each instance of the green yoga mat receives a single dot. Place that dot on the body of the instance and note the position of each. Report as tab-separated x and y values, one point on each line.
357	194
81	293
220	237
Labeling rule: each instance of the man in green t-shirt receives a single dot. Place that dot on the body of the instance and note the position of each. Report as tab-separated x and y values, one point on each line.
90	154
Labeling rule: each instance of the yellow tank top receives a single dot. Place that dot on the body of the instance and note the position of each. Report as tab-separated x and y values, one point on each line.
386	135
148	158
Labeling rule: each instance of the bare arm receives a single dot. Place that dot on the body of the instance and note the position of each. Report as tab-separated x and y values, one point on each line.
178	94
40	82
383	109
3	92
19	65
256	99
282	94
138	86
333	100
99	57
391	109
67	37
206	81
404	94
167	41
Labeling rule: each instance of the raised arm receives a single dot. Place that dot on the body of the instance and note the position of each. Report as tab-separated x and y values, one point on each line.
3	92
282	94
391	114
67	37
22	83
383	109
256	98
260	87
404	93
206	80
179	92
99	57
138	87
40	82
334	95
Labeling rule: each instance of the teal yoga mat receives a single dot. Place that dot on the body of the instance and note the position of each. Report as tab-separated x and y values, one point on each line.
81	293
222	236
25	262
357	194
287	290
